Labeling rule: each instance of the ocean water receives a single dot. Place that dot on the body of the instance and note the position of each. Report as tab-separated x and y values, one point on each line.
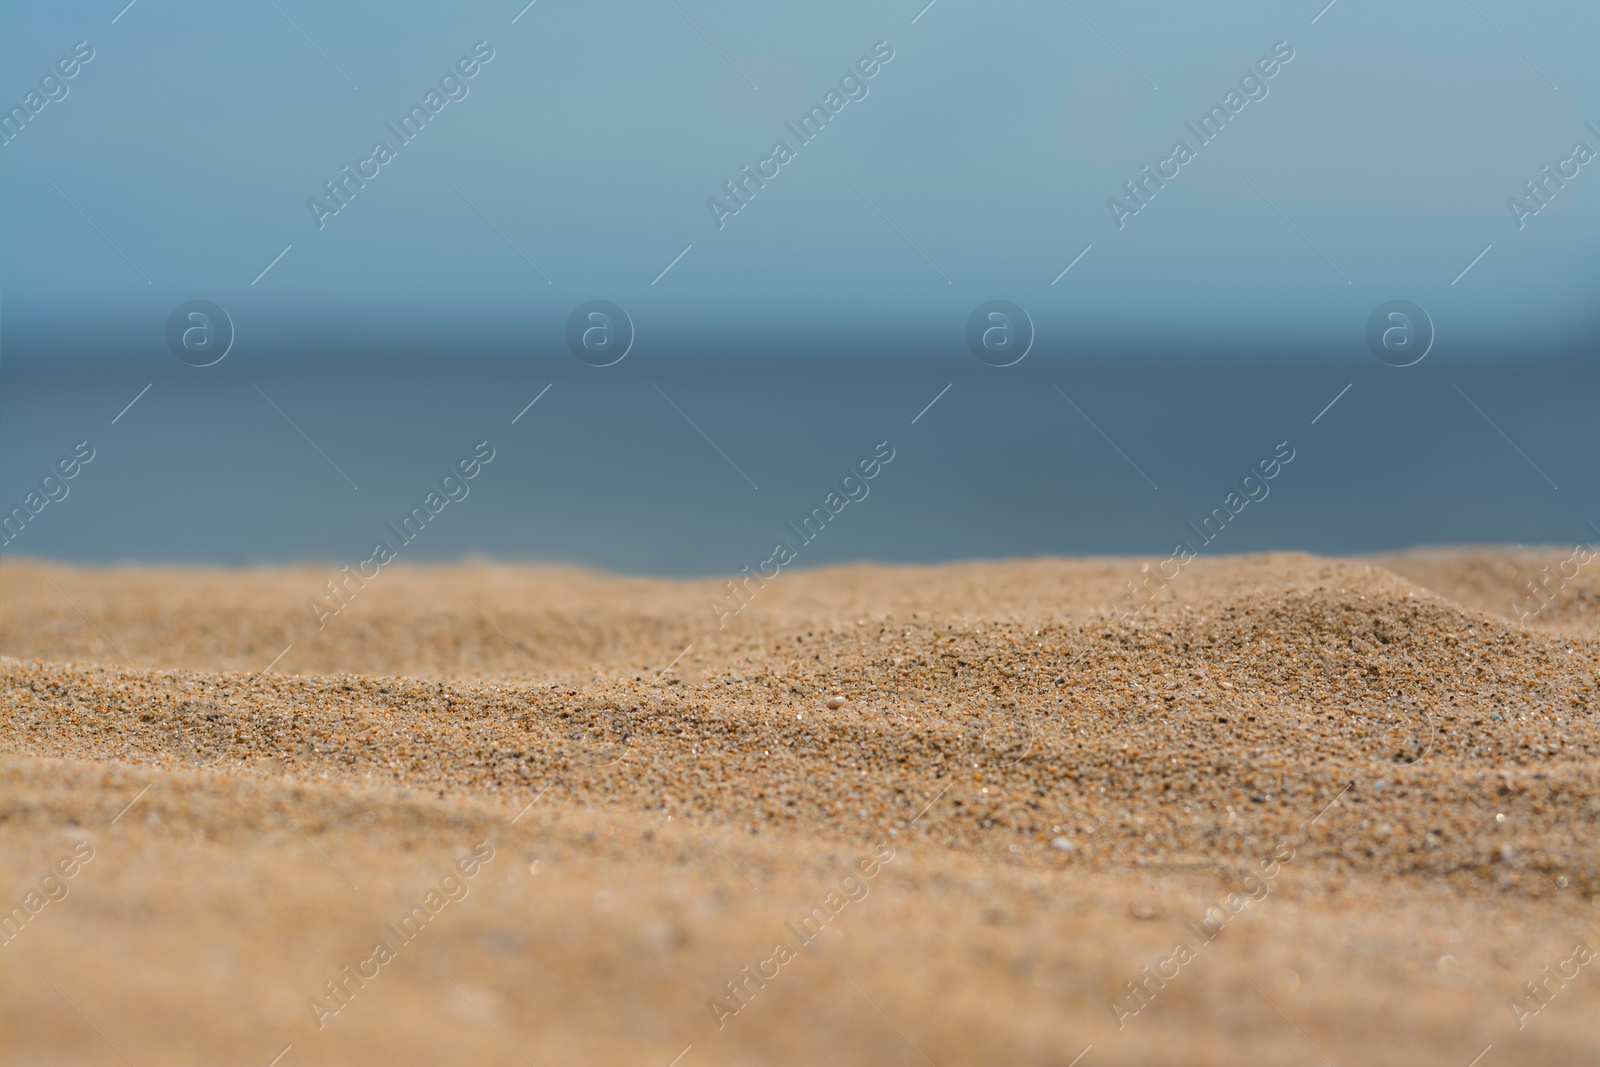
683	462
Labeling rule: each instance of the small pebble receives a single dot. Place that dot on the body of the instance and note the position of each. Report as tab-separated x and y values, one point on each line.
837	702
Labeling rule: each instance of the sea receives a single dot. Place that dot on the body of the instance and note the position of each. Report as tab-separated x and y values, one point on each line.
690	461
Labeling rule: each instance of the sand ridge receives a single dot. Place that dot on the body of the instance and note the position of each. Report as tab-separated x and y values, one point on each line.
1066	794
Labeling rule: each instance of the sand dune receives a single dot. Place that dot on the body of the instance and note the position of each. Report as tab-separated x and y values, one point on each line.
1357	793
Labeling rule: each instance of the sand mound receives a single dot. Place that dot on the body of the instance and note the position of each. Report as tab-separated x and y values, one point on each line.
1174	737
1065	795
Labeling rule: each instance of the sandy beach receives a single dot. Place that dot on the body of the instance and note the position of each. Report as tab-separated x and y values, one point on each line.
1292	810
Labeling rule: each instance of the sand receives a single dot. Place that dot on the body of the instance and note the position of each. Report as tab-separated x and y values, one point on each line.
1316	810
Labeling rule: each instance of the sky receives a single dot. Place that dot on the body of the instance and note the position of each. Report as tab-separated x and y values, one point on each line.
979	163
973	157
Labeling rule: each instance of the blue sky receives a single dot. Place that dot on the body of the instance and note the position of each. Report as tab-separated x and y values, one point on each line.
978	166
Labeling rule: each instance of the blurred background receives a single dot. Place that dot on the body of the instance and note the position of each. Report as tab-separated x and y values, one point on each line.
1246	303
